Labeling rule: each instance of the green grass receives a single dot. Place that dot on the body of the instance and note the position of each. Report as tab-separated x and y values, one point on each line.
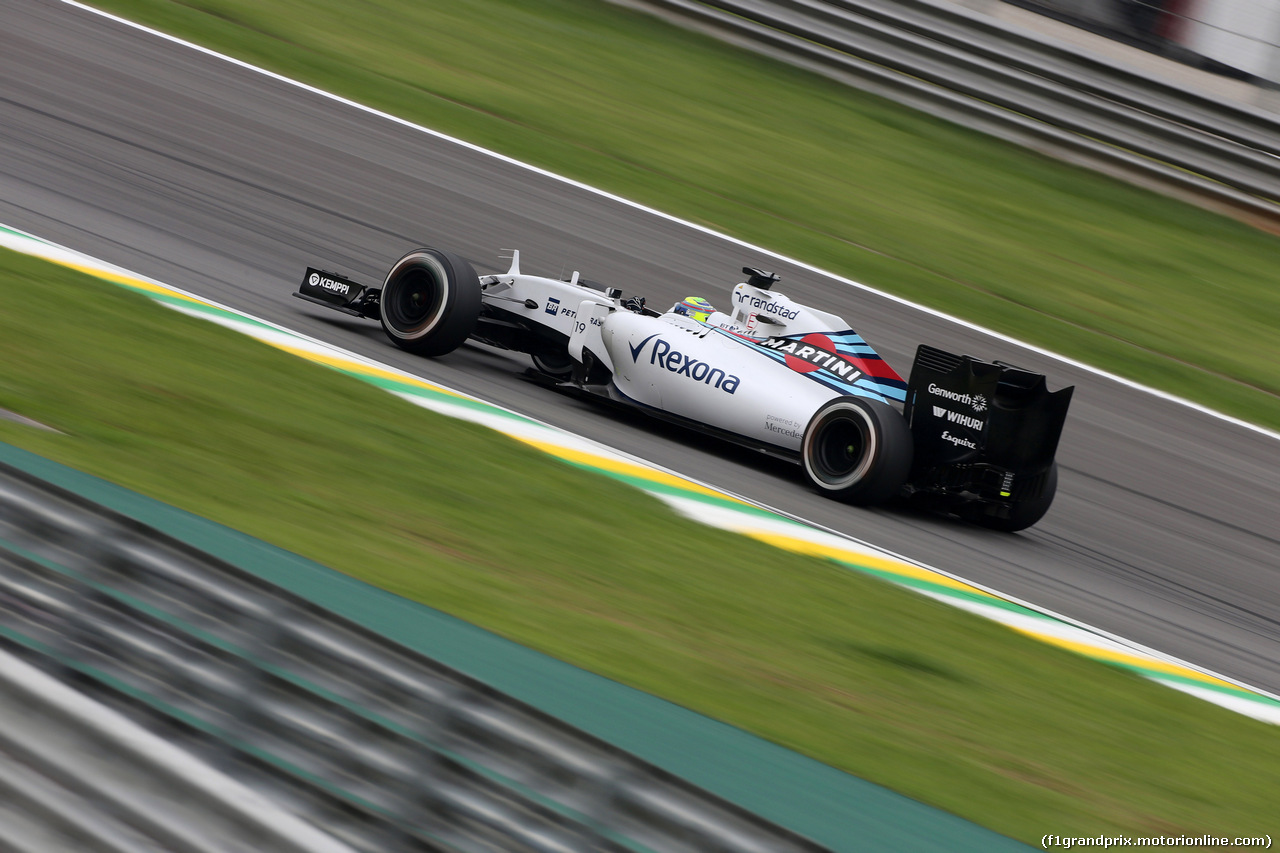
1138	284
946	708
940	705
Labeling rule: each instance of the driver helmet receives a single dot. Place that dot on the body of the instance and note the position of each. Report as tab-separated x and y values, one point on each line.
695	307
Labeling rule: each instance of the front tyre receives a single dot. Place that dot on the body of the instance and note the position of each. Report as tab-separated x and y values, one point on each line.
857	450
430	301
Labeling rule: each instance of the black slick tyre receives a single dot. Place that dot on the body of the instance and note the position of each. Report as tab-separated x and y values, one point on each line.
857	450
430	301
557	365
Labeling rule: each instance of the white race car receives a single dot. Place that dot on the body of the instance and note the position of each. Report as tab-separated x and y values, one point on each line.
971	438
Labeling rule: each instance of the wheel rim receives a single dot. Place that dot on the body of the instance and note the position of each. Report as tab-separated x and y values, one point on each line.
844	446
414	302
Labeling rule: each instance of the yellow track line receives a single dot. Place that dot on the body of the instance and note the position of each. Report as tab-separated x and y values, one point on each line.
870	561
1125	658
129	281
629	469
640	472
363	369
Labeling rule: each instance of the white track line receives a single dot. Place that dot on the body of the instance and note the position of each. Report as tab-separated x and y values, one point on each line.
1037	622
1128	383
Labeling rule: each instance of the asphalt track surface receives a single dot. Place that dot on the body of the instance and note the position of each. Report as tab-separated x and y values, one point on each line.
222	181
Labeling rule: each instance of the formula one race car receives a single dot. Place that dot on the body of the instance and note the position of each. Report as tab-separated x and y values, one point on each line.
974	439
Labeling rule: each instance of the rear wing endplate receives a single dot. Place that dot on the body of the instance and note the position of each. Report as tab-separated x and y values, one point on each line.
963	411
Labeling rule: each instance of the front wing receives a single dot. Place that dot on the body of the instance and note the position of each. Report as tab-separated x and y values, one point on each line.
339	293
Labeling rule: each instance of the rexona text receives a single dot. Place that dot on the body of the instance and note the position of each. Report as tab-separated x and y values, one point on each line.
682	365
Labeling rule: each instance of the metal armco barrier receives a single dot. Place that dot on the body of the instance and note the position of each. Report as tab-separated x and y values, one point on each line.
380	747
75	776
1019	86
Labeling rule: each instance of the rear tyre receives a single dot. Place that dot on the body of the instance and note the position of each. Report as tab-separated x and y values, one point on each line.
557	365
1027	512
857	450
430	301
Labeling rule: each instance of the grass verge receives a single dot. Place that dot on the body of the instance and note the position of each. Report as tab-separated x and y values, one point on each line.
947	708
1146	287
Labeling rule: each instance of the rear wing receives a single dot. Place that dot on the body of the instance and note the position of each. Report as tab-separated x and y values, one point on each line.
966	414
